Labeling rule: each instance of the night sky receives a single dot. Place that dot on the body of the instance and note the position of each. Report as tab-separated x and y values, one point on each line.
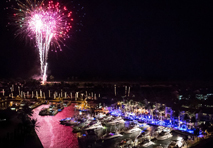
122	40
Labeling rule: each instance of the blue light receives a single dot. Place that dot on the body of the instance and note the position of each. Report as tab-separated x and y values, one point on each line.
146	118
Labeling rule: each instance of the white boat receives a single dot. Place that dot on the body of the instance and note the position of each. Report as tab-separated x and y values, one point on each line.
94	126
144	134
116	120
164	135
144	125
112	135
146	143
72	122
65	119
106	118
100	116
133	129
179	143
158	130
85	123
167	129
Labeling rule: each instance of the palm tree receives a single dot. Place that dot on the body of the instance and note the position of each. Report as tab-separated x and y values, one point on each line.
193	120
25	113
176	113
186	117
190	115
150	109
35	125
162	110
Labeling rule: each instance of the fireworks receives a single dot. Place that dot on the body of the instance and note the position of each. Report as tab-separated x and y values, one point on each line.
48	23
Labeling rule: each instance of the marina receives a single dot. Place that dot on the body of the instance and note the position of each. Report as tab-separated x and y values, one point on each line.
54	131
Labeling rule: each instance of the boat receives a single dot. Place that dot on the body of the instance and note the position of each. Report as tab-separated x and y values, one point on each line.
100	116
72	121
146	143
164	135
143	125
167	129
43	112
179	143
106	119
83	124
60	107
96	125
112	135
144	134
133	129
52	105
66	103
65	120
116	120
52	111
158	130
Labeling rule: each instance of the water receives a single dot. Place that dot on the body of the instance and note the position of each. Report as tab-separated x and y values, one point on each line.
54	135
51	133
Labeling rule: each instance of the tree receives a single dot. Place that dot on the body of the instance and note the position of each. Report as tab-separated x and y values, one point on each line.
35	124
193	120
25	113
150	109
176	113
161	111
196	132
190	115
186	118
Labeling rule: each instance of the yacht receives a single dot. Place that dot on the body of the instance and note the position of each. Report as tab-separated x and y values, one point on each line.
65	120
84	123
100	116
167	129
43	112
144	134
52	105
94	126
164	135
158	130
112	135
72	121
133	129
66	103
144	125
179	143
116	120
52	111
106	119
146	143
60	107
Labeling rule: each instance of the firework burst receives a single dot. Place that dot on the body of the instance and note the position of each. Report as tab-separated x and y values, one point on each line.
48	23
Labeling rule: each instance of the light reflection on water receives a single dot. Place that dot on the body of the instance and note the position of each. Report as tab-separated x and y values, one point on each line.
54	135
51	133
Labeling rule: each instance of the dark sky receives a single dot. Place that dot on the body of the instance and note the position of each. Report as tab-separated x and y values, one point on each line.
123	39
